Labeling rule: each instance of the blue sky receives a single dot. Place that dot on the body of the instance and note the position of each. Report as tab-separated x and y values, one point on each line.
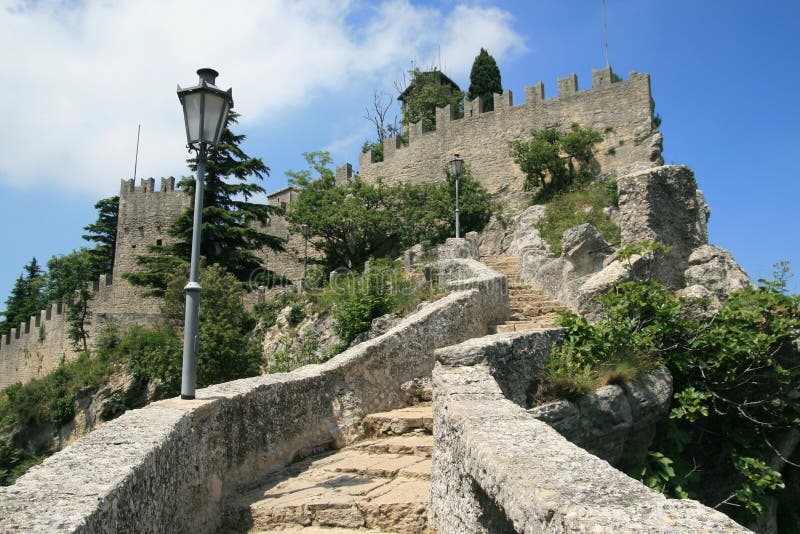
82	75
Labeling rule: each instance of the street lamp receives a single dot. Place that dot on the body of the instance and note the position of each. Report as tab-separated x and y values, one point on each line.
205	111
456	164
305	227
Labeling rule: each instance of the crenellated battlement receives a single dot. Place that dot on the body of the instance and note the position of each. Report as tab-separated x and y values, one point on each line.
147	185
621	110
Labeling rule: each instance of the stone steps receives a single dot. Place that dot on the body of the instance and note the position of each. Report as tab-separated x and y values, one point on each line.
400	421
529	308
380	484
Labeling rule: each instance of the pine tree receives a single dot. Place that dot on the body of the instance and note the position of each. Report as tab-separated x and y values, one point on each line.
484	79
229	235
104	232
27	297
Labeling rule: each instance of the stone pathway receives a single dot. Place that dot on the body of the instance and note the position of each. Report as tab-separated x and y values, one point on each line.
381	484
530	307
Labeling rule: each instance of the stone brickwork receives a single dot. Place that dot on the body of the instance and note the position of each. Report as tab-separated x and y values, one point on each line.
168	467
38	345
144	217
498	469
621	111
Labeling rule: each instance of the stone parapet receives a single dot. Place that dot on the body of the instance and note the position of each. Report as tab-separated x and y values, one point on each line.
621	111
168	467
498	469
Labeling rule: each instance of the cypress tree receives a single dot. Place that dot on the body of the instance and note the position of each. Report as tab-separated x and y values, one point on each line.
484	79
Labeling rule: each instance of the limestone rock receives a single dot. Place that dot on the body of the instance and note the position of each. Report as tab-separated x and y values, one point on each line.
715	269
585	249
664	205
459	248
701	303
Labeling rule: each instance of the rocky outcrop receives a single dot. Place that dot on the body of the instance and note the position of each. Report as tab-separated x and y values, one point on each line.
715	269
614	419
664	205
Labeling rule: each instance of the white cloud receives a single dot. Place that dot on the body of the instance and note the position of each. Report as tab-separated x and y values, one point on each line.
78	77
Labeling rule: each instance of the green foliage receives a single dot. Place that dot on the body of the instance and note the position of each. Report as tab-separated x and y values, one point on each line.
352	222
484	80
154	354
14	462
227	349
229	217
573	208
290	356
735	382
27	297
376	147
544	165
429	90
68	278
361	298
104	232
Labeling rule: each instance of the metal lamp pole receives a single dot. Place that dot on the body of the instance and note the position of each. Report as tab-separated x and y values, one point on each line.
205	110
456	166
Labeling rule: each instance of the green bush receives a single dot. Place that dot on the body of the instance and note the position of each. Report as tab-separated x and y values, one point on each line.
573	208
736	379
545	168
154	354
358	299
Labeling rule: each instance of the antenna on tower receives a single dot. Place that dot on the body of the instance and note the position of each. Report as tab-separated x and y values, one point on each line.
136	161
605	30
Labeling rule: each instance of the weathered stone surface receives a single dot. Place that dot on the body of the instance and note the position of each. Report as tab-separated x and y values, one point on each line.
166	467
585	249
700	302
459	248
614	419
715	269
623	111
417	390
664	205
497	469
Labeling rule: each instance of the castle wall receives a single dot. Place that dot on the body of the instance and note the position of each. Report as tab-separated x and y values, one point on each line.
38	345
144	217
182	459
622	111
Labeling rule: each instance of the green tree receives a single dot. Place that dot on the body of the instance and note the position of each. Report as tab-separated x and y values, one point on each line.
355	221
228	349
484	80
229	230
68	279
428	92
544	165
27	297
348	223
104	233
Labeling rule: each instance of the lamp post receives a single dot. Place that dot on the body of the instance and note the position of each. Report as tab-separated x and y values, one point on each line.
456	165
205	111
305	227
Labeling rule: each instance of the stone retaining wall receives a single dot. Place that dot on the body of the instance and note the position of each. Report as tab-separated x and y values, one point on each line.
497	469
168	467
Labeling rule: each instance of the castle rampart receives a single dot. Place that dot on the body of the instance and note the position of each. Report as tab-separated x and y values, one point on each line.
38	345
622	111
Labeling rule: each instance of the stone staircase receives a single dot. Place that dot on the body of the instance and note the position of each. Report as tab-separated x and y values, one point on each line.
380	484
530	307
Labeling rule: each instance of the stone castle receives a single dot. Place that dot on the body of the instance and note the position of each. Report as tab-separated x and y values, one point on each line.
622	110
479	460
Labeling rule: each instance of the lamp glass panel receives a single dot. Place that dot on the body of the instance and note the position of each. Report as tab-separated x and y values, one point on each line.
191	109
456	166
215	106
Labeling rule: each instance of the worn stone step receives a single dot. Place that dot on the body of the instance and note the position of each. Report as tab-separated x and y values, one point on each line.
417	444
397	422
523	326
346	501
377	465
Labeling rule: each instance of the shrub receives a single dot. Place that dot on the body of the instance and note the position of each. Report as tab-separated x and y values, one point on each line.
571	209
735	382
